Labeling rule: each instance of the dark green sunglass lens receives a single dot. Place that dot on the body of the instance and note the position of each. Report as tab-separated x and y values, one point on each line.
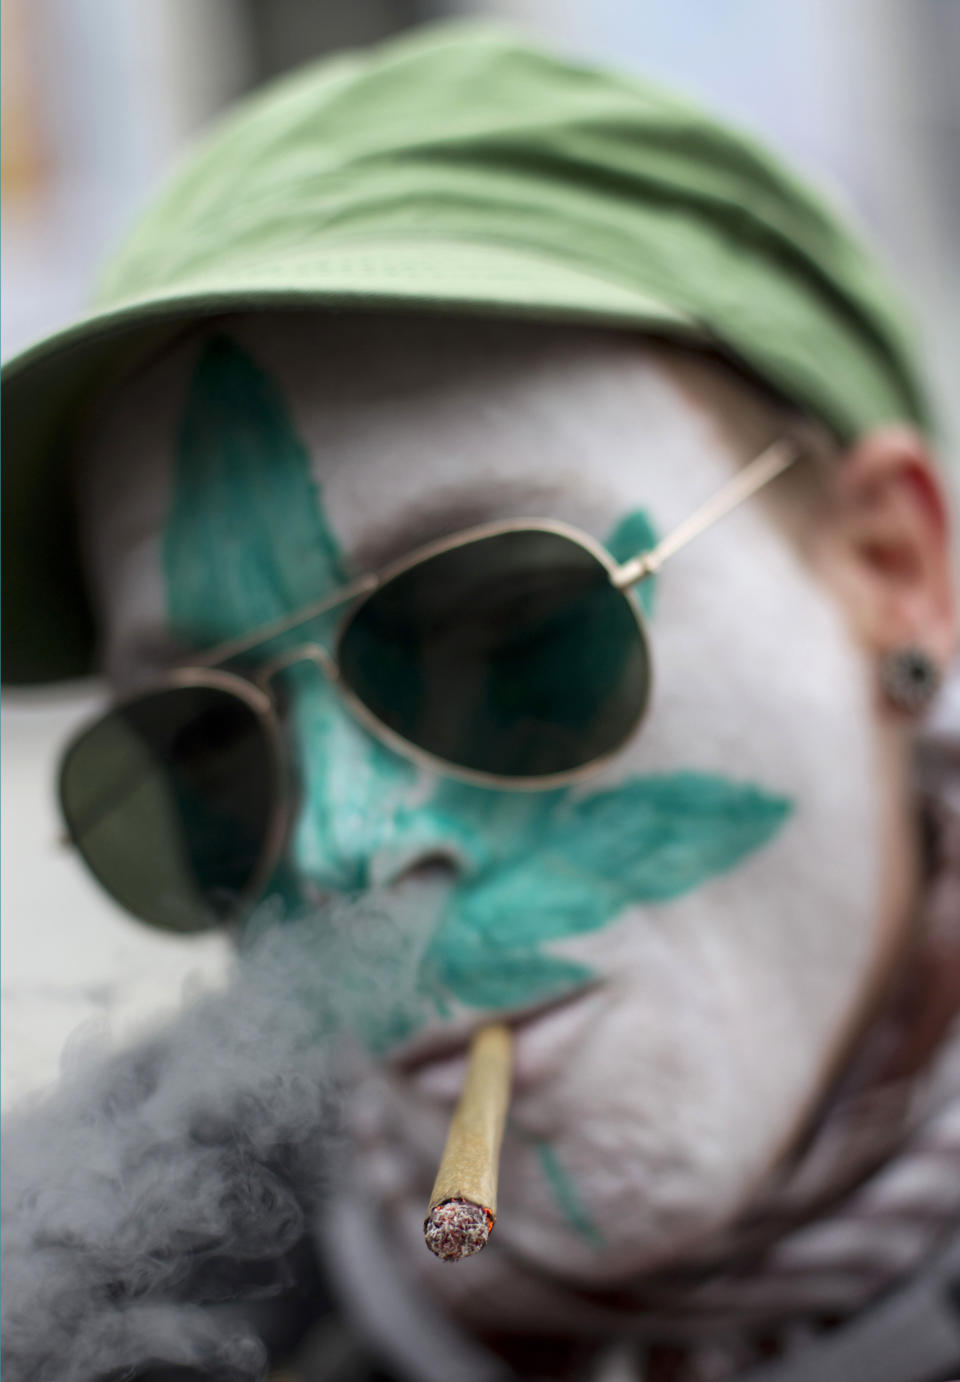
512	655
170	799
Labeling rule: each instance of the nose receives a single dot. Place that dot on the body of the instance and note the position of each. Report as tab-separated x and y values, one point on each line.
434	867
365	819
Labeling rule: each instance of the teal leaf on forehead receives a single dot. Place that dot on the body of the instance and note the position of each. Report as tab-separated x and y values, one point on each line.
631	537
246	539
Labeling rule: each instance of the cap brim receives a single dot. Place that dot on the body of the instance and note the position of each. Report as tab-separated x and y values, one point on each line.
48	630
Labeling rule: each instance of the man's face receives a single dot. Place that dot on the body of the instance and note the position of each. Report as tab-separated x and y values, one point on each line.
682	937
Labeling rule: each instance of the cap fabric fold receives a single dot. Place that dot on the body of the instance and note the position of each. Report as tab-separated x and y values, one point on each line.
459	170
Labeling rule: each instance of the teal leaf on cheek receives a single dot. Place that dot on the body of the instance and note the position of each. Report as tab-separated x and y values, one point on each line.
491	977
246	539
650	840
657	837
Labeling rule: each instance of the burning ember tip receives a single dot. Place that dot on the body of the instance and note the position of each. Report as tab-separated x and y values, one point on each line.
455	1229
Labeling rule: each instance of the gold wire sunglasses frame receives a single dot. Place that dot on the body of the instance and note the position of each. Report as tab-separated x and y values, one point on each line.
206	669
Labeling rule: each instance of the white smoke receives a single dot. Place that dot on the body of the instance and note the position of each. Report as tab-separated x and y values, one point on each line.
152	1180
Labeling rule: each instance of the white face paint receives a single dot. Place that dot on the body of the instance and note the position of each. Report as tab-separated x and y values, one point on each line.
649	1104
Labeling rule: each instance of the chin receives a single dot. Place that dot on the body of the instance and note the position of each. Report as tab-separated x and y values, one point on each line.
629	1142
654	1165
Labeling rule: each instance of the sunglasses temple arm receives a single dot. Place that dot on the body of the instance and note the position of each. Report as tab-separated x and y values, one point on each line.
223	652
764	468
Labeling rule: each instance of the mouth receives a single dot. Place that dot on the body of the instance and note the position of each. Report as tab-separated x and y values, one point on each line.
544	1035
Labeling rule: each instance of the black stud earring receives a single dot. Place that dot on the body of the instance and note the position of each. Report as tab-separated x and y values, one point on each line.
909	678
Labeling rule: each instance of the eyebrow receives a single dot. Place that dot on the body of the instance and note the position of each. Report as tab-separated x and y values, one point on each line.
772	461
443	513
158	648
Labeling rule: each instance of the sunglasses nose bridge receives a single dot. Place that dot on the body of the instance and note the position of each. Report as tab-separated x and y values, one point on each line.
306	652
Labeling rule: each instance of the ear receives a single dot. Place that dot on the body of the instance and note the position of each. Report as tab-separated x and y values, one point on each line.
890	545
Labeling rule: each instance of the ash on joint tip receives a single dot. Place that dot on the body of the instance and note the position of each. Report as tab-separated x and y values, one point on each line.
456	1229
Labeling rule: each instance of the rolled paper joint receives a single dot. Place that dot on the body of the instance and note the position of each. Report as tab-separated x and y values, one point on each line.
463	1205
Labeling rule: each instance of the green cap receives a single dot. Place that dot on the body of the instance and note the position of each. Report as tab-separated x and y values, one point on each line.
458	169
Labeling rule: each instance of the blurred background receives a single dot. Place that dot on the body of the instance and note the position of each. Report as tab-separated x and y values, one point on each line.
99	99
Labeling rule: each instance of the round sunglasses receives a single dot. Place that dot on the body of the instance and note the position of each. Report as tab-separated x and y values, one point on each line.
512	655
